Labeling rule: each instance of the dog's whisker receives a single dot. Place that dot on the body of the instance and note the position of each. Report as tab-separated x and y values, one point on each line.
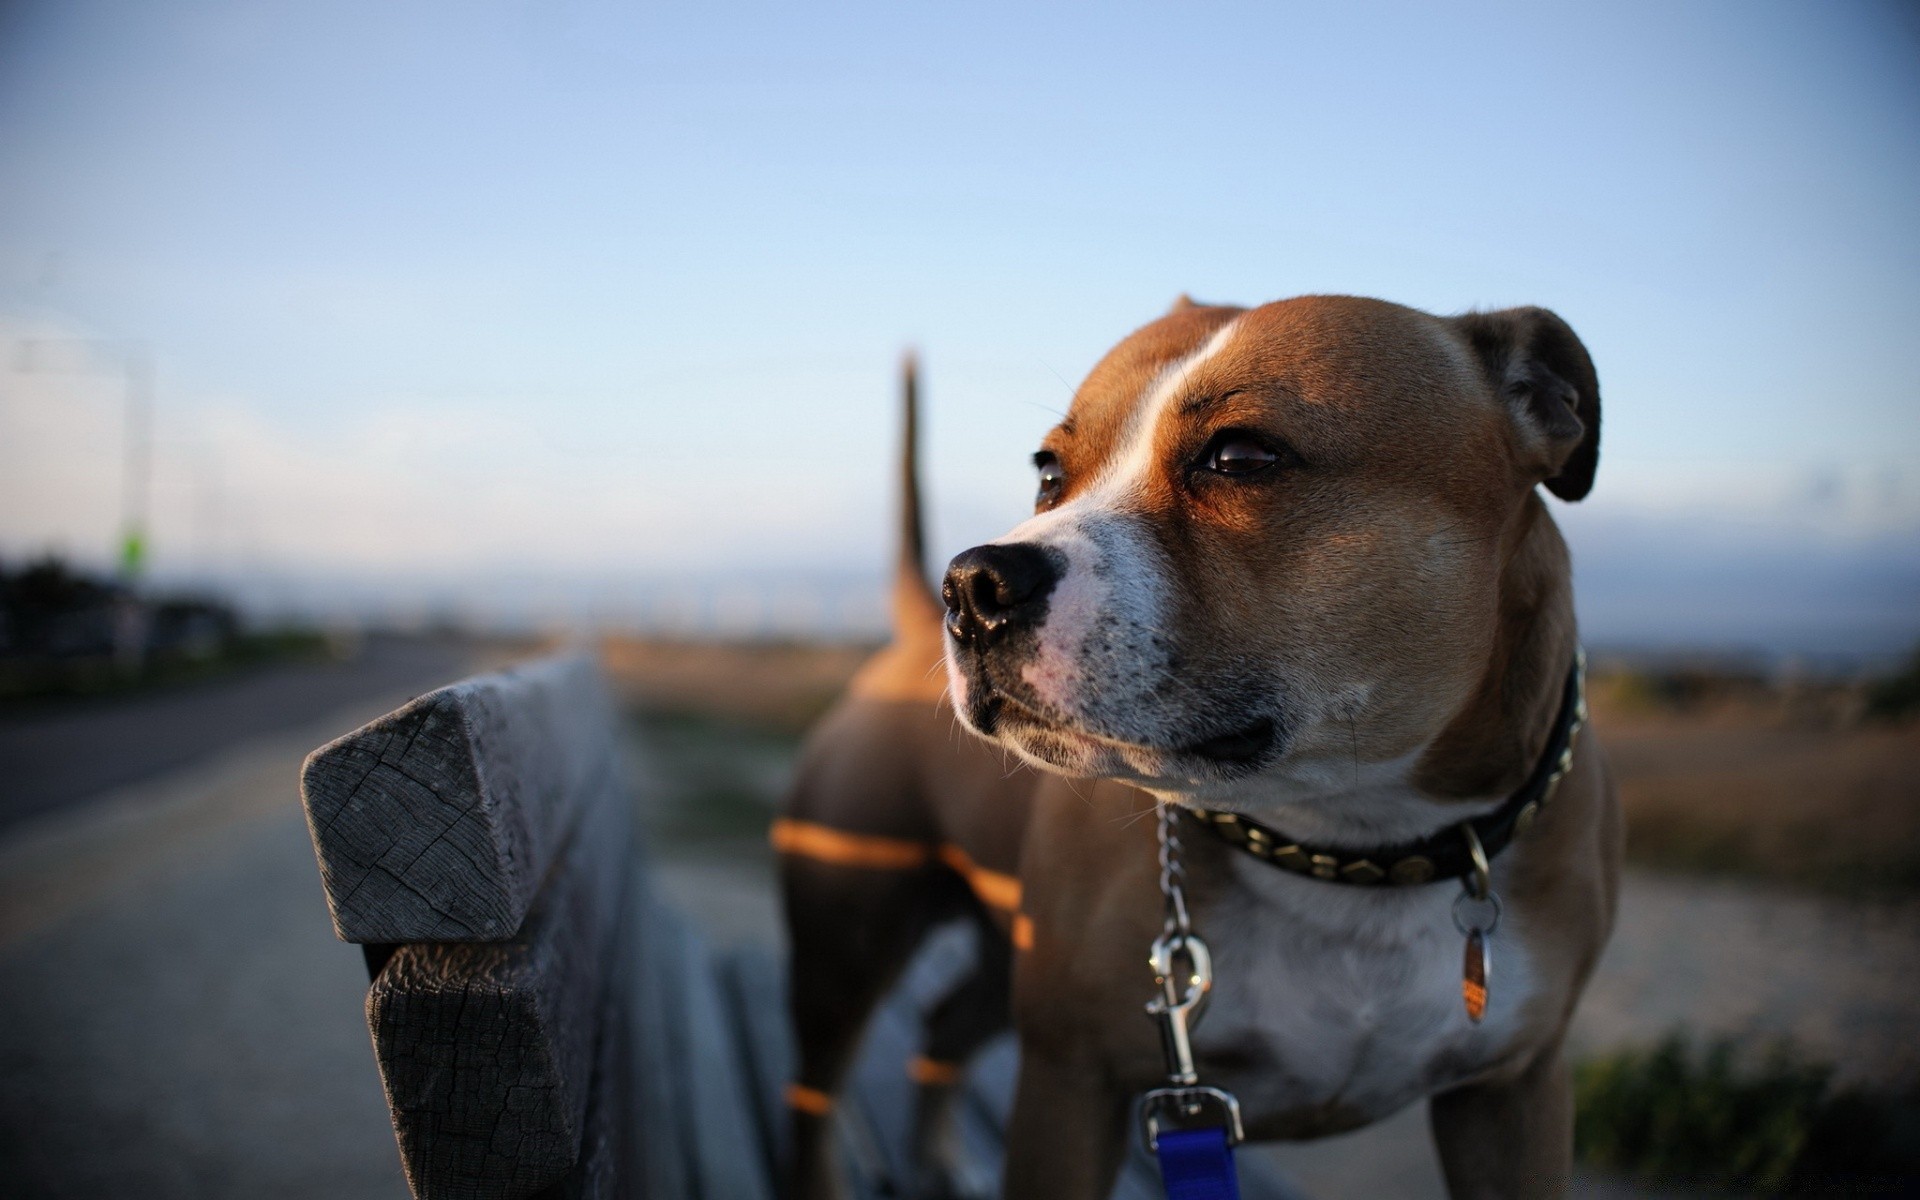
1131	819
1063	383
1073	785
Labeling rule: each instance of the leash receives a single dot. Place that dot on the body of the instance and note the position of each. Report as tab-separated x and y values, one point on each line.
1191	1129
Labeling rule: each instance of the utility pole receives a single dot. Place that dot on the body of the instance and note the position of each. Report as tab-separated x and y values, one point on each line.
136	478
130	615
137	475
136	469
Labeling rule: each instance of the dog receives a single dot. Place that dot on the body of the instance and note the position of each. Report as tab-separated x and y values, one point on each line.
1291	575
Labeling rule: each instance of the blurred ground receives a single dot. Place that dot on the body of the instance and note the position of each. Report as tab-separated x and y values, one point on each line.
1787	780
59	752
178	1019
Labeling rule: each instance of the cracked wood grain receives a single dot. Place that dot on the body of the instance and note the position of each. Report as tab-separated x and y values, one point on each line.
487	1050
438	821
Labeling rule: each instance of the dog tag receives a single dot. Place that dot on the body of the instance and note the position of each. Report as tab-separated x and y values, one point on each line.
1473	976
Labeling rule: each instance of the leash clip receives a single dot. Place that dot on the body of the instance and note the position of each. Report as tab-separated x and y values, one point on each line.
1189	1108
1182	999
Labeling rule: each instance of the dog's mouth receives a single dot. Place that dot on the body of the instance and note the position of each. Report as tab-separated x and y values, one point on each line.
1066	745
1245	745
993	713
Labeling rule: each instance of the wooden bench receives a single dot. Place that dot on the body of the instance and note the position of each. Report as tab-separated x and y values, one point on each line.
543	1023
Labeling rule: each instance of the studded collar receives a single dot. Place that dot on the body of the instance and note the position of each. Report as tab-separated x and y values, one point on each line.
1443	855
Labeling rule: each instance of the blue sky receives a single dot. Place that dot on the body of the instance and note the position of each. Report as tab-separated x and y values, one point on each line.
534	306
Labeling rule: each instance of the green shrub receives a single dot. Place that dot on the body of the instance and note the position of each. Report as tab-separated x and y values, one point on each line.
1675	1114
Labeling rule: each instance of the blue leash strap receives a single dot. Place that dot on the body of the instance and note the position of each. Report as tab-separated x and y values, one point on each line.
1197	1164
1192	1131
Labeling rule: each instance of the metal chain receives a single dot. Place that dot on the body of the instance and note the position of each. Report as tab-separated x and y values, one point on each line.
1173	876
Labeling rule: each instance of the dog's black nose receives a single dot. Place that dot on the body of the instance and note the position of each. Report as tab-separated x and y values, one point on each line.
990	589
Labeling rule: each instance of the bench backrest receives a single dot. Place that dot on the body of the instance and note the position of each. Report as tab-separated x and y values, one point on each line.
479	841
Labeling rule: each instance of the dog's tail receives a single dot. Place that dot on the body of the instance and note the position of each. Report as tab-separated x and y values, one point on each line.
917	610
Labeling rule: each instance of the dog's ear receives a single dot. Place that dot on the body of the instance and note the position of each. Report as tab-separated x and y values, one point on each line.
1181	303
1535	363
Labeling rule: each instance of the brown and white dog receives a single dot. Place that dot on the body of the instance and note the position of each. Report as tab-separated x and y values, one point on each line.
1288	563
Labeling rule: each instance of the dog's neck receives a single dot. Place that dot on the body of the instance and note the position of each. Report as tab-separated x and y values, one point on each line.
1500	732
1486	750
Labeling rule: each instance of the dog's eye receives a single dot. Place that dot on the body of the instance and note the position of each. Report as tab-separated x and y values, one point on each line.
1237	454
1052	477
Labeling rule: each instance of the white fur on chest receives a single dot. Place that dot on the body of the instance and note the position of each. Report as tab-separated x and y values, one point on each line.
1329	996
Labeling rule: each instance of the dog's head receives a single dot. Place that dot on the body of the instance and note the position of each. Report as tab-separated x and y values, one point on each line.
1268	543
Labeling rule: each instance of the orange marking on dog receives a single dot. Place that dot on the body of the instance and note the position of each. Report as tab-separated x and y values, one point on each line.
1022	931
994	889
812	1101
804	839
931	1072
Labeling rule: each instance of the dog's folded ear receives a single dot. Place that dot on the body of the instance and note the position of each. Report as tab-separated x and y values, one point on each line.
1537	365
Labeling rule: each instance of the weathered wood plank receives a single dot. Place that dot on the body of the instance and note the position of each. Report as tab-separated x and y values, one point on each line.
878	1107
757	1005
700	1136
664	1147
716	1098
438	821
609	1149
487	1049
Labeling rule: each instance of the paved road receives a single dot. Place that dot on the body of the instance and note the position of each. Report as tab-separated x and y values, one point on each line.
177	1021
54	758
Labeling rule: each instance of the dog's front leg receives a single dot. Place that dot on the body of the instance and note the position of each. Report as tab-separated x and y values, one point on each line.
1068	1133
1511	1140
